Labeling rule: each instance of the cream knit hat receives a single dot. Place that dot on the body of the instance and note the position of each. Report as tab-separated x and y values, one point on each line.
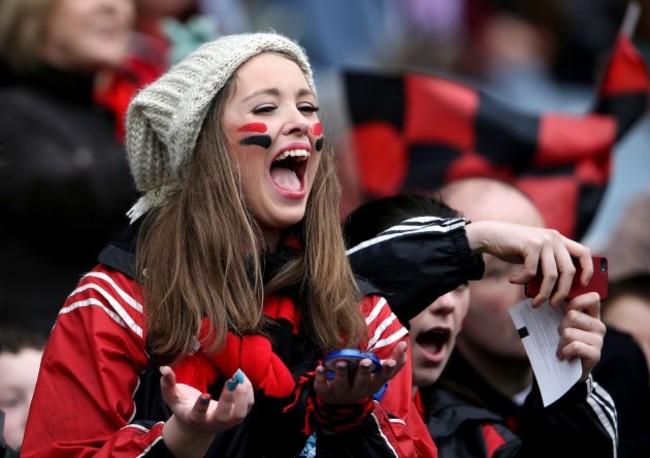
164	119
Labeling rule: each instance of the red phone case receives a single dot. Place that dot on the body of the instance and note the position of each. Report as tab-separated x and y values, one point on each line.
598	282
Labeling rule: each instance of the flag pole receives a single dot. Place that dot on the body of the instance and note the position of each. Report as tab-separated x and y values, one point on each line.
625	32
631	19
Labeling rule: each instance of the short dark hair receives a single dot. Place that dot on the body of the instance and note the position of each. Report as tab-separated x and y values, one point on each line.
637	285
13	339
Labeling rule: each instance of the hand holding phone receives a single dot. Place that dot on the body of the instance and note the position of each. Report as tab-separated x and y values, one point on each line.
598	282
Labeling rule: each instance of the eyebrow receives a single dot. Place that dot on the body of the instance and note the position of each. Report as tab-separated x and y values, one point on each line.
276	92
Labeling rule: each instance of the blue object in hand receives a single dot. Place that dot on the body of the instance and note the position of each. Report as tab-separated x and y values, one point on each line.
353	357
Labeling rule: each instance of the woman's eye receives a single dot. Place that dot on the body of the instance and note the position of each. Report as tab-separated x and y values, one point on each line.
308	108
263	109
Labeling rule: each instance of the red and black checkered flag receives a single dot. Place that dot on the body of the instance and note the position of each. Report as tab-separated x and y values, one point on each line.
415	131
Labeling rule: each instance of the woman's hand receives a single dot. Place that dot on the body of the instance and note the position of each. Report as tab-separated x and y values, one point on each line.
582	332
196	417
347	388
535	248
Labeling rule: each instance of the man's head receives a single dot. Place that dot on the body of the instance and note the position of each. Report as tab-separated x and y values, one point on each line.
488	329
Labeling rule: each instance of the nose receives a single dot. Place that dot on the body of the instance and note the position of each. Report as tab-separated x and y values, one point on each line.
107	4
296	123
444	304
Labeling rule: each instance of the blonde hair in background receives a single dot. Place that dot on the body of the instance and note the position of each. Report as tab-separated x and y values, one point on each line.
22	31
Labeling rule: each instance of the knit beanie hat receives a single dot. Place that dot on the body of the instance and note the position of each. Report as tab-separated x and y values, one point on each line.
164	119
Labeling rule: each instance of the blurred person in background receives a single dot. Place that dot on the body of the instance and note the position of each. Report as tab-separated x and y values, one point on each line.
489	357
628	252
628	248
65	184
164	32
150	24
550	56
20	356
628	309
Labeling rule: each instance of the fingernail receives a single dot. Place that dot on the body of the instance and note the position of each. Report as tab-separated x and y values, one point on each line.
204	400
366	365
239	376
231	384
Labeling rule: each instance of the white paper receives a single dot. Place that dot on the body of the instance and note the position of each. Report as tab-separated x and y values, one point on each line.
539	331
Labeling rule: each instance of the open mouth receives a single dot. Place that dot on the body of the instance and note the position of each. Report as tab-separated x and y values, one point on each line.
433	341
288	170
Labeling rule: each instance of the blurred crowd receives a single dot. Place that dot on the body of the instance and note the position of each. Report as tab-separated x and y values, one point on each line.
68	70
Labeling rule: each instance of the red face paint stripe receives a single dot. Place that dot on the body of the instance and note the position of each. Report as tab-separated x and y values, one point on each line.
317	129
258	127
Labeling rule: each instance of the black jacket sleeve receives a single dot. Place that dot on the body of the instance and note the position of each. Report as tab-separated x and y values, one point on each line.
580	423
416	262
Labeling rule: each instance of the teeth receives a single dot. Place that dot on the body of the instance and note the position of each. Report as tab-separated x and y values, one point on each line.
301	154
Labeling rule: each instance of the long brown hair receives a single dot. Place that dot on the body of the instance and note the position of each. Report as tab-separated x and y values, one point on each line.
197	262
